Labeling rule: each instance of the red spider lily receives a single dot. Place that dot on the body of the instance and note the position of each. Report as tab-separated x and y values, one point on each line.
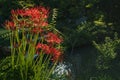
43	10
53	38
44	24
33	17
36	12
38	23
36	20
56	53
37	30
33	13
10	25
17	12
44	47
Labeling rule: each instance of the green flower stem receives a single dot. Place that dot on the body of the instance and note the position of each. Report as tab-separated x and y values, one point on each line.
52	69
12	49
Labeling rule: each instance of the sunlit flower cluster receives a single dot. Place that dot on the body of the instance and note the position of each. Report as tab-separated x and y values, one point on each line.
35	20
30	17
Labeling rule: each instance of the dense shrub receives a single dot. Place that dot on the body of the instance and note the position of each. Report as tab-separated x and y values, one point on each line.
107	60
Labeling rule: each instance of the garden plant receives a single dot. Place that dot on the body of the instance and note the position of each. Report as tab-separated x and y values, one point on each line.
35	45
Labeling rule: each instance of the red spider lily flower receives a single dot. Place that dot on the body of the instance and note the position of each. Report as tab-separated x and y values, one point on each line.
44	24
10	25
44	47
13	12
56	53
17	12
34	17
33	13
36	30
37	12
43	10
53	38
38	23
44	16
20	12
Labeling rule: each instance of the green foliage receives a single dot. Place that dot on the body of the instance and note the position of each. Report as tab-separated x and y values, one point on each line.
8	73
6	70
84	34
102	63
4	37
25	4
107	49
107	52
54	17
